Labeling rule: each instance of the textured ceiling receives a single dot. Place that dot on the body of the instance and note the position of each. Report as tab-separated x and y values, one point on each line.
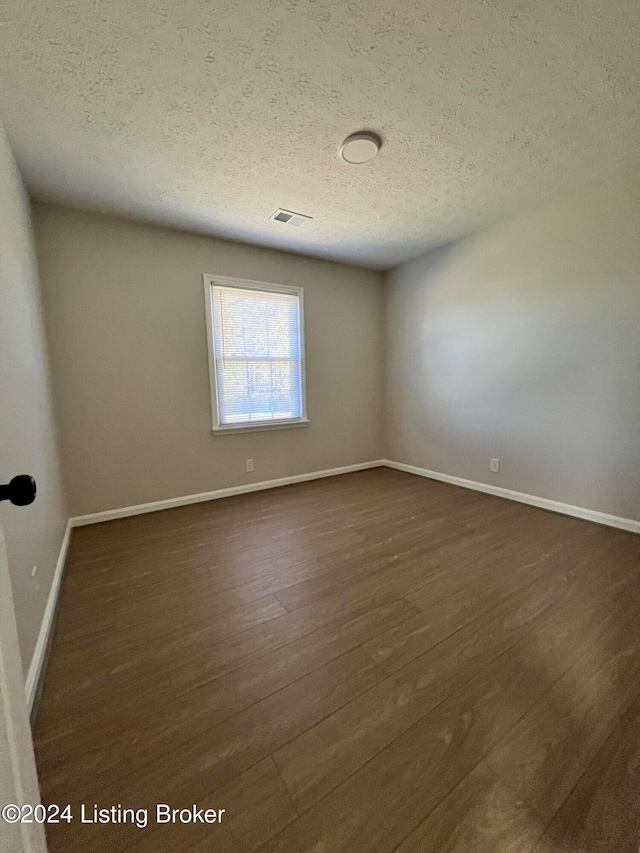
210	115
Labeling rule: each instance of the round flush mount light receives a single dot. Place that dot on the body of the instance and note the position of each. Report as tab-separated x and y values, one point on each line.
360	147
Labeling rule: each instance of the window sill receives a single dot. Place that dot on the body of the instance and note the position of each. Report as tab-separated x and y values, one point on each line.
259	427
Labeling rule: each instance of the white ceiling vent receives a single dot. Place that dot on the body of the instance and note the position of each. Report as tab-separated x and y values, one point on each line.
289	217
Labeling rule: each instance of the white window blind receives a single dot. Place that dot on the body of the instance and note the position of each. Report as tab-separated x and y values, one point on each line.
257	354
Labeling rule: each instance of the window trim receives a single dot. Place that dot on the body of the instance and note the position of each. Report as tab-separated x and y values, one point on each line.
211	281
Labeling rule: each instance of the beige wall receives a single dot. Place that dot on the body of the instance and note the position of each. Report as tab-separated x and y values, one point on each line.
523	343
27	433
125	315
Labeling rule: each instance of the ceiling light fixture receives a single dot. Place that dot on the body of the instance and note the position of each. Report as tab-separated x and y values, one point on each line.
360	147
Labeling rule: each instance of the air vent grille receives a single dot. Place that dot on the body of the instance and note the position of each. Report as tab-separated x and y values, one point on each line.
288	217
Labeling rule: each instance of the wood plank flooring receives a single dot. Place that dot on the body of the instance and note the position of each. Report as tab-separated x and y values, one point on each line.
373	662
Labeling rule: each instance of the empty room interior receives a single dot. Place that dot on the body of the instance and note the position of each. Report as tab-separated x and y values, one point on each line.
320	426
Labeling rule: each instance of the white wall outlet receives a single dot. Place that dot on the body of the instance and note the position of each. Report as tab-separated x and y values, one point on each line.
249	465
495	465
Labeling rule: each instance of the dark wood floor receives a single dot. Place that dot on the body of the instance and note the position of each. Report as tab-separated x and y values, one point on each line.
367	663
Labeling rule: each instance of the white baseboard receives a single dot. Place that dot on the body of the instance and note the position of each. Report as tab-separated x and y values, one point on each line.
543	503
40	652
629	524
170	503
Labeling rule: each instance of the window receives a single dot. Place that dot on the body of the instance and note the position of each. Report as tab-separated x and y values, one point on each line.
256	354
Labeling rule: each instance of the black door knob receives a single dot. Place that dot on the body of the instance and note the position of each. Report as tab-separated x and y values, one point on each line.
20	491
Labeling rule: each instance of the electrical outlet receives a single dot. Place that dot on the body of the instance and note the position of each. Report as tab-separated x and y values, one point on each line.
495	465
249	465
